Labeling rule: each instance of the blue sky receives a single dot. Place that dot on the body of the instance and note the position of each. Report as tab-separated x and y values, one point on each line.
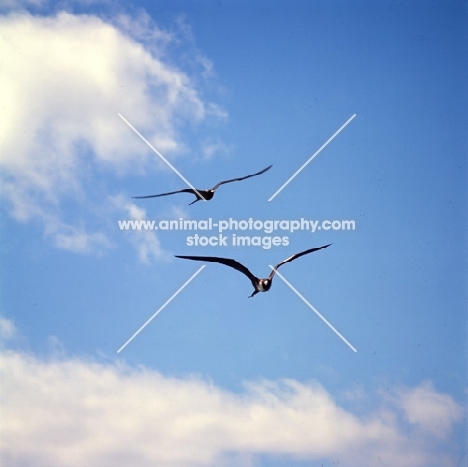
222	90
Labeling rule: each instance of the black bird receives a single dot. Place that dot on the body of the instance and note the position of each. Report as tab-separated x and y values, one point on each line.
204	194
260	285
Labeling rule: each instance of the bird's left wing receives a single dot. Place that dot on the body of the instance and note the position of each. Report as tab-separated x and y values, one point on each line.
226	261
185	190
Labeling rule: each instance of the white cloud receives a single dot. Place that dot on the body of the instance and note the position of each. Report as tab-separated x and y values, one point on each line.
63	80
71	412
432	411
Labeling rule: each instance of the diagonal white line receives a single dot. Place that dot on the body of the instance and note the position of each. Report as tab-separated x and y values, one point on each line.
161	156
323	146
313	309
160	309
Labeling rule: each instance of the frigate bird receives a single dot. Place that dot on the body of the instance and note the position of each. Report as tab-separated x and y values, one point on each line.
204	194
260	285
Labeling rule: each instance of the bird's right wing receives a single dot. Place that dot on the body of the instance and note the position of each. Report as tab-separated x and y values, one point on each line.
297	255
241	178
226	261
185	190
302	253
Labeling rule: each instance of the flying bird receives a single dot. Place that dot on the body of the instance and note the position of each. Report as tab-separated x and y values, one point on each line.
260	285
204	194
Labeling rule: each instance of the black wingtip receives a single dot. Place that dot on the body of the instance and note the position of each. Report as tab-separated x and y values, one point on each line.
264	170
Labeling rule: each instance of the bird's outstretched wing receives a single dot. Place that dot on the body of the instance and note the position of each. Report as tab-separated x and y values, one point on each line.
185	190
241	178
226	261
297	255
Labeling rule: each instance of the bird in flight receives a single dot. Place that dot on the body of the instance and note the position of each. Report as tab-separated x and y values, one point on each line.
204	194
260	285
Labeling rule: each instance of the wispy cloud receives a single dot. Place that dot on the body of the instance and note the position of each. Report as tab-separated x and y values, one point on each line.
75	238
9	5
215	146
146	242
74	412
7	329
64	79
